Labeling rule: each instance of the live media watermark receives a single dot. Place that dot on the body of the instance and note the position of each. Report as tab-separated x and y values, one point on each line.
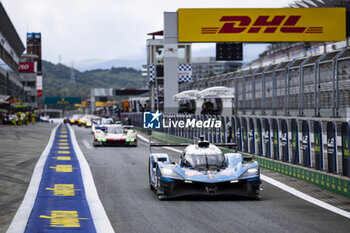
155	120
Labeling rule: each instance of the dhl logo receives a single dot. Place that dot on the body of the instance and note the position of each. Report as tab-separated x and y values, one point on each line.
263	24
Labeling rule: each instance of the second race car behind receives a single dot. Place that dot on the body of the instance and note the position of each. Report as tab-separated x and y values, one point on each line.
115	135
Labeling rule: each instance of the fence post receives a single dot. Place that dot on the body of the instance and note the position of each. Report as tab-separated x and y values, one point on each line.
317	85
336	78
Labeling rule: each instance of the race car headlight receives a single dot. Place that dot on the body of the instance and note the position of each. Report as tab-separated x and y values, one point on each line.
170	173
251	172
130	139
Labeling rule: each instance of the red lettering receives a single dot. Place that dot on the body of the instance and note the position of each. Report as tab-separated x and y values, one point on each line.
270	29
292	21
254	29
263	21
230	27
238	24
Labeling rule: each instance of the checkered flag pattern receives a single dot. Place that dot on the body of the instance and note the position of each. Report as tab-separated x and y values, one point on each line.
152	73
185	72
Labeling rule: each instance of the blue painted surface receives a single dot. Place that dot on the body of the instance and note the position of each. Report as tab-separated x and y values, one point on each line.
46	201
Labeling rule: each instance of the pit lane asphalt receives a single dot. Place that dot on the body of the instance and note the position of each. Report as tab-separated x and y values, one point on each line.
20	149
120	175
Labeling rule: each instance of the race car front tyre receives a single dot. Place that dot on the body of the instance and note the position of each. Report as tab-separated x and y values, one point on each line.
149	177
159	192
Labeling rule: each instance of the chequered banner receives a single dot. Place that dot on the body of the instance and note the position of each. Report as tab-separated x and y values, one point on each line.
185	72
152	73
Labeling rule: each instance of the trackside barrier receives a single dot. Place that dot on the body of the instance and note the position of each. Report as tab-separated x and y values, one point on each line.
251	136
259	136
315	144
267	138
345	134
331	147
306	144
284	140
318	145
339	185
275	141
311	86
245	134
295	141
323	180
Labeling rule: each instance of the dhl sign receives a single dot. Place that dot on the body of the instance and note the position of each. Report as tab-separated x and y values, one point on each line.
261	25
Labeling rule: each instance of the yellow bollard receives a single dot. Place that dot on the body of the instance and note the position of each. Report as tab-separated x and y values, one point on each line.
19	117
33	118
27	118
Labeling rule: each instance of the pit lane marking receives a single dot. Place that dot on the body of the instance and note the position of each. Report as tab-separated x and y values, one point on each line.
63	190
63	152
63	218
87	144
282	186
63	168
22	215
98	213
67	158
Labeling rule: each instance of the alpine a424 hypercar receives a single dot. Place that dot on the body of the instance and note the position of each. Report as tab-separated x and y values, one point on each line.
203	170
115	135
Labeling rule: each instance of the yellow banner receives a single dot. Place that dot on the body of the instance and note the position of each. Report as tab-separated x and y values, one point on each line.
261	25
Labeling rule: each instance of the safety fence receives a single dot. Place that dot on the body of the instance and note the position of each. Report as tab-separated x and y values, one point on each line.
322	144
310	86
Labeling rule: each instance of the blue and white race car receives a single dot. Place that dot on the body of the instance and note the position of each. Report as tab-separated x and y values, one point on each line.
203	170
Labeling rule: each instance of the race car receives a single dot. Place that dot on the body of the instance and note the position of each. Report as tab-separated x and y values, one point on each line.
115	135
203	170
74	119
86	120
101	123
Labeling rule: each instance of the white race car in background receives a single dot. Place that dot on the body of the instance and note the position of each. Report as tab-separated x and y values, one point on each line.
101	123
115	135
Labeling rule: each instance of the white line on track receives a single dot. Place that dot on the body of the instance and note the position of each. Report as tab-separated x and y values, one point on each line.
284	187
19	222
87	144
98	213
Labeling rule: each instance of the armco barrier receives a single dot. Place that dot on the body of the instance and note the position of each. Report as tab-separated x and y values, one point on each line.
326	181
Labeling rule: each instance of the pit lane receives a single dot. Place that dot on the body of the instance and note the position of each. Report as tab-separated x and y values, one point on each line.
120	175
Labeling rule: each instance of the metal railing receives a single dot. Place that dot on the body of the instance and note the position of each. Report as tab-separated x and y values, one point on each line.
315	143
312	86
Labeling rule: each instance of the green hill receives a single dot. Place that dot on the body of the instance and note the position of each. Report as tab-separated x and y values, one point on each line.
56	80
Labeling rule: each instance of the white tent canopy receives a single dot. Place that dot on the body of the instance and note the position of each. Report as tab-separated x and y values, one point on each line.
216	92
186	95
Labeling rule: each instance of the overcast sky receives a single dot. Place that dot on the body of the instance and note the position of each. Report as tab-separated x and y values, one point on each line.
108	29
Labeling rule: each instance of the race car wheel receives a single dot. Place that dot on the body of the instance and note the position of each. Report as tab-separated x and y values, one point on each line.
149	176
159	195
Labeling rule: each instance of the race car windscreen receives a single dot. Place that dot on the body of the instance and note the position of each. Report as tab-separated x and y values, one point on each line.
115	130
205	160
107	121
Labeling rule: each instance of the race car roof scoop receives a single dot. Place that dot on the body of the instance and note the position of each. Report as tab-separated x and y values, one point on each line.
203	144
